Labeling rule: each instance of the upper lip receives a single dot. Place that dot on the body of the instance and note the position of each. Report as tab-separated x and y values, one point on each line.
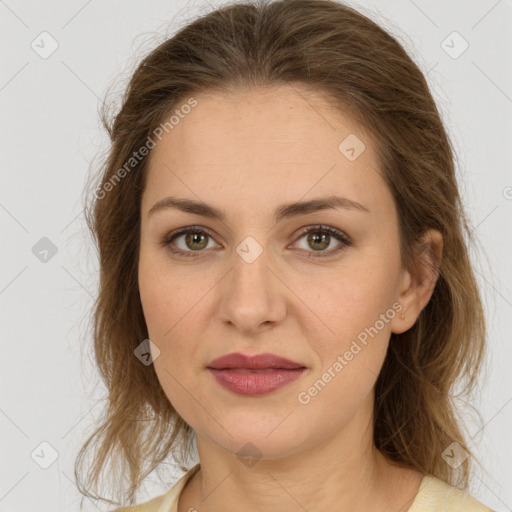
256	362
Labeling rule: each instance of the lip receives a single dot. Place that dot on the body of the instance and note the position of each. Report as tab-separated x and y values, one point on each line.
249	383
256	362
254	375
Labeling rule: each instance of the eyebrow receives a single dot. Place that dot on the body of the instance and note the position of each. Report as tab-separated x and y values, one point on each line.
281	212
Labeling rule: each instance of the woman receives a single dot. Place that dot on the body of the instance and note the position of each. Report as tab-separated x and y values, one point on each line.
284	277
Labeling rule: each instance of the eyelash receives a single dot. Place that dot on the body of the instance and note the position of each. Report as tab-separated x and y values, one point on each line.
338	235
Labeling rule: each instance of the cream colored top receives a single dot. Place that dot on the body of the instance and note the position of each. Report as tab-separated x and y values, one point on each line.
434	495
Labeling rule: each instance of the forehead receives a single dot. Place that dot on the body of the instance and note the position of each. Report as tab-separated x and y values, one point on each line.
273	143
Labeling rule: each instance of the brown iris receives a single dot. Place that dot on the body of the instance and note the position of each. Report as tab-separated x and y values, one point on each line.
316	238
195	238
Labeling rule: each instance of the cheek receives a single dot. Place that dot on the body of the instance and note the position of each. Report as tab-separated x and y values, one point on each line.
357	308
353	300
169	319
172	308
168	298
171	325
350	363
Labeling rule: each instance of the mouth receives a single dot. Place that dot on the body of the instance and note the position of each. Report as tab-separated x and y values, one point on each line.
254	375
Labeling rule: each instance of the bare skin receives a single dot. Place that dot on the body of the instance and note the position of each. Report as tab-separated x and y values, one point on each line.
247	153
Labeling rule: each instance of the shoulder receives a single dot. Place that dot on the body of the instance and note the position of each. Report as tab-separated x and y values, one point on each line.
167	502
435	495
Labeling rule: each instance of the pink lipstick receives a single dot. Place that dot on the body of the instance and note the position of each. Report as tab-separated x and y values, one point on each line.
254	375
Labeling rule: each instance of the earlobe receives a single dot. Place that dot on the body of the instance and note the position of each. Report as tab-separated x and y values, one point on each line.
417	285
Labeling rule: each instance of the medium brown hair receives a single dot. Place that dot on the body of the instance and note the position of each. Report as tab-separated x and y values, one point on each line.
324	46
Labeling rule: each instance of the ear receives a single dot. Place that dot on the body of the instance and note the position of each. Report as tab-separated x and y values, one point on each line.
417	284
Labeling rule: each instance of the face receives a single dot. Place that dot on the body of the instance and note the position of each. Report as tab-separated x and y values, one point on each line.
310	285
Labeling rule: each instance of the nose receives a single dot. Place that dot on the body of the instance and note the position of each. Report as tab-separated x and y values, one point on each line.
253	297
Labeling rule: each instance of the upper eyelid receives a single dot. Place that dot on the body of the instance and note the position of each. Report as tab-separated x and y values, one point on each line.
188	229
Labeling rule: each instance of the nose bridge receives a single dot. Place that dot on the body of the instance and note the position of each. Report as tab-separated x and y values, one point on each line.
250	297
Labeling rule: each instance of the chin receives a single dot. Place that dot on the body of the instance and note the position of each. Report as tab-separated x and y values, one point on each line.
259	440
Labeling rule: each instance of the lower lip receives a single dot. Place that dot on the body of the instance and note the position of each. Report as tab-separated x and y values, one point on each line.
255	384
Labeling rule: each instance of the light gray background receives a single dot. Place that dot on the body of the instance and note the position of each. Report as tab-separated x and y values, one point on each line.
50	134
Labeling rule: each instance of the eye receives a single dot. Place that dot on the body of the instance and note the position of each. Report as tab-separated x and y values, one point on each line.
194	240
191	241
320	237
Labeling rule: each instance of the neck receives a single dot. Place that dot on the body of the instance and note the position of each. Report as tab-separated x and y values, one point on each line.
345	473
